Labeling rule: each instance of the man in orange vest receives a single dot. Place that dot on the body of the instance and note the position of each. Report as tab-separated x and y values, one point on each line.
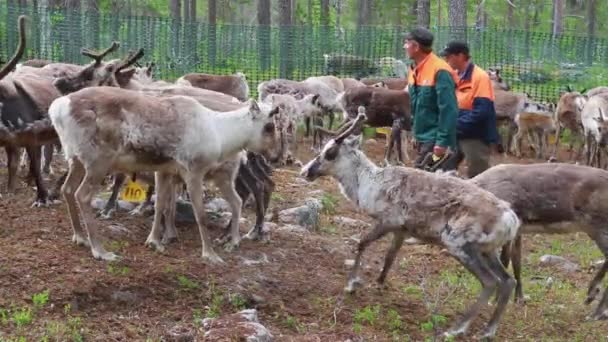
476	125
431	85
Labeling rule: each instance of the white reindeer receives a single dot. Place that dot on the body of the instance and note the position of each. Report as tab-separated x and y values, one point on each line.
105	129
471	223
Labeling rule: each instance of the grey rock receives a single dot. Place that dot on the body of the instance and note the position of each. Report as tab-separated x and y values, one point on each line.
563	263
125	297
306	215
243	325
348	222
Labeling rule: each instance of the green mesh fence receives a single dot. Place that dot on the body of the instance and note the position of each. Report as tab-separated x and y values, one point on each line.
538	63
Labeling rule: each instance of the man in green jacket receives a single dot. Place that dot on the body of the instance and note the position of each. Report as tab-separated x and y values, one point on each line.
432	85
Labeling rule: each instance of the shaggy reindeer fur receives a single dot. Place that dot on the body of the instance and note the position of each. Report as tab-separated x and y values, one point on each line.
568	115
233	85
106	129
327	96
595	91
331	81
384	108
507	105
536	121
349	83
391	83
594	118
497	82
471	223
251	177
554	198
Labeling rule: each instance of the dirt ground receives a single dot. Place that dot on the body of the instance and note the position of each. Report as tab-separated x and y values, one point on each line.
53	290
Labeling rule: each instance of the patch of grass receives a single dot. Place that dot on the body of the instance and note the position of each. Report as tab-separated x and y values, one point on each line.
3	316
276	197
186	283
329	203
369	315
22	317
238	302
329	229
74	325
435	322
40	299
214	309
118	270
117	246
393	320
414	291
292	323
197	317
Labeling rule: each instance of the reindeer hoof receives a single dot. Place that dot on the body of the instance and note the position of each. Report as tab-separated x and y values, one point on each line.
105	214
40	203
489	333
155	244
591	294
353	284
168	240
80	241
212	259
256	234
105	256
455	332
231	246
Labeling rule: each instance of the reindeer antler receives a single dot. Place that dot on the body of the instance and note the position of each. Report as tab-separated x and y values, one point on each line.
98	56
131	59
360	118
20	49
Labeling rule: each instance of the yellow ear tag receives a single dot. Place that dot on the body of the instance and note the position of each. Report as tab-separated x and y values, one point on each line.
435	157
133	192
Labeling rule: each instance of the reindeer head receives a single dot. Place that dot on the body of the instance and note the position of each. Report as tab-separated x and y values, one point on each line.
269	130
98	73
497	80
336	154
569	107
144	73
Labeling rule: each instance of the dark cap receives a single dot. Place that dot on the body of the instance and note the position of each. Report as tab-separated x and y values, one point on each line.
422	36
454	48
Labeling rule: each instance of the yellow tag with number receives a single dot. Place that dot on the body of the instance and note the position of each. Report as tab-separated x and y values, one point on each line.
552	138
133	192
384	130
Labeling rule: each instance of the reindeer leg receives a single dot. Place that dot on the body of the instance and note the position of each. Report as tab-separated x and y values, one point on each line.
111	205
56	191
163	196
516	251
472	259
35	155
505	287
12	155
225	183
376	233
168	213
194	183
89	186
143	207
557	138
398	237
48	157
250	184
73	179
595	285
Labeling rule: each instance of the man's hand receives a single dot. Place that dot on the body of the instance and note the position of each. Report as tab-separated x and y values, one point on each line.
439	151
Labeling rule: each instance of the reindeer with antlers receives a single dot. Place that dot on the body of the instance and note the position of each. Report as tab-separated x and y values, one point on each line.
471	223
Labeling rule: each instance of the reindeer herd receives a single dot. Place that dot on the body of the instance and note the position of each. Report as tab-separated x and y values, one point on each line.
111	118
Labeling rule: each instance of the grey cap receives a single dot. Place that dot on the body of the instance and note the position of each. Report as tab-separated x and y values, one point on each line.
422	36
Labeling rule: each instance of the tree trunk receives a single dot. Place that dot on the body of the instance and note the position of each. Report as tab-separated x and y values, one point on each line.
510	18
413	13
325	28
92	23
212	18
558	17
192	10
457	16
264	33
423	13
591	18
310	22
285	40
294	7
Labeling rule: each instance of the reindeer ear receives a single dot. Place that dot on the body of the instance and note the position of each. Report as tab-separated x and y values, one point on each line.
254	108
123	77
275	110
315	100
354	141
